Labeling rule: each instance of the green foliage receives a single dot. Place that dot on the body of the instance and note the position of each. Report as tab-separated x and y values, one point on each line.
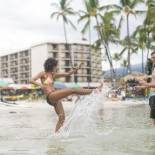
63	10
149	67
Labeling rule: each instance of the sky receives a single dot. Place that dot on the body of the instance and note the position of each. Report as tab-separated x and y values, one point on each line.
24	23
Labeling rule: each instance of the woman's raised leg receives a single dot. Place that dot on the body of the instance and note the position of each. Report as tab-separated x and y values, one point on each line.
59	94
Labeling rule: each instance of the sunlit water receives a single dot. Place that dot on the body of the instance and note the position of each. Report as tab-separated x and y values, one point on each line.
94	126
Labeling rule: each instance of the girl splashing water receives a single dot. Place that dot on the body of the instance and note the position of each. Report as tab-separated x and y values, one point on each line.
54	96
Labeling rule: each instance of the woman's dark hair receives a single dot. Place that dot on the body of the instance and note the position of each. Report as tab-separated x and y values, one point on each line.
49	64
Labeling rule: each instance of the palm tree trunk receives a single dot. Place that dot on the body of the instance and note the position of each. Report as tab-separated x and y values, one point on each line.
148	49
128	36
68	47
90	51
148	46
113	73
100	35
142	60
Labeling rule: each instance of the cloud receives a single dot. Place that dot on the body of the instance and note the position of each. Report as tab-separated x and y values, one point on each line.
28	21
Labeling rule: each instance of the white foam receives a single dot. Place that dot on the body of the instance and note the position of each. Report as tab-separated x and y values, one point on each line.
82	119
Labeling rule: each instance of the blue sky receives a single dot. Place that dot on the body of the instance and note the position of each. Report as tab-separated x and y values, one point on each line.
27	22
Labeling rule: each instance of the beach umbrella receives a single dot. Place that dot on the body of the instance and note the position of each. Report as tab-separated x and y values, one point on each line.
3	84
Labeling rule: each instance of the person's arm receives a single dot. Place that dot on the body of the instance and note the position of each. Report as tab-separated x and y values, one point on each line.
143	84
35	78
74	70
58	75
150	85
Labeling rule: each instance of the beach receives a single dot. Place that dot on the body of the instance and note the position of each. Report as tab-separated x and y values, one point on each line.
27	129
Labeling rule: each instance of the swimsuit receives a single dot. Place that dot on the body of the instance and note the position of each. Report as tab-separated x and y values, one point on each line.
152	104
152	98
49	82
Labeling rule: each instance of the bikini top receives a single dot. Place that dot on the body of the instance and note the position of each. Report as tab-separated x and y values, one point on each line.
48	81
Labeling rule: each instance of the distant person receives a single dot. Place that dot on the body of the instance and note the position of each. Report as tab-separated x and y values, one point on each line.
54	96
143	84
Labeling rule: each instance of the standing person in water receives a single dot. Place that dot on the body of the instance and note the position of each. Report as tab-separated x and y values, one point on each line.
143	84
54	96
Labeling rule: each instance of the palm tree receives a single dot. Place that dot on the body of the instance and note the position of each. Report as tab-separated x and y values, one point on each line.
93	11
109	34
64	11
140	41
149	23
128	8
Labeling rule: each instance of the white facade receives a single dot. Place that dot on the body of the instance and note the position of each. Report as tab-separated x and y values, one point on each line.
38	55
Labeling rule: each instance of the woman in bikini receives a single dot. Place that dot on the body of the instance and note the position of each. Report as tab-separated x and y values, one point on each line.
54	96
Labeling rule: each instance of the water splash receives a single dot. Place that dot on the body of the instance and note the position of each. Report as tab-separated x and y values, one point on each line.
82	120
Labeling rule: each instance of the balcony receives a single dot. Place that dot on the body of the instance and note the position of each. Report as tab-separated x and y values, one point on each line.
4	58
14	71
25	53
66	58
24	61
14	63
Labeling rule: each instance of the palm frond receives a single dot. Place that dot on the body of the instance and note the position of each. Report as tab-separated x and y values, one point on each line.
73	26
122	52
134	50
115	41
87	6
86	26
97	44
120	23
58	16
125	3
70	12
140	12
110	6
54	14
62	3
68	2
135	3
65	19
83	18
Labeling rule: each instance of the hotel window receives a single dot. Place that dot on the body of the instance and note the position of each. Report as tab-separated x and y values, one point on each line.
66	47
67	55
55	47
54	55
88	79
68	79
67	62
67	69
88	71
76	78
88	63
26	53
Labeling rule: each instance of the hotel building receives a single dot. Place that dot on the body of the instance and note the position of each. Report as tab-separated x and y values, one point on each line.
22	65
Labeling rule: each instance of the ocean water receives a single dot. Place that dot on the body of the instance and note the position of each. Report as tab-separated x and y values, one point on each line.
94	126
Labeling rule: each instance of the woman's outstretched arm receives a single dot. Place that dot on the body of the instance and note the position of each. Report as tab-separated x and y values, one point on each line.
73	71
